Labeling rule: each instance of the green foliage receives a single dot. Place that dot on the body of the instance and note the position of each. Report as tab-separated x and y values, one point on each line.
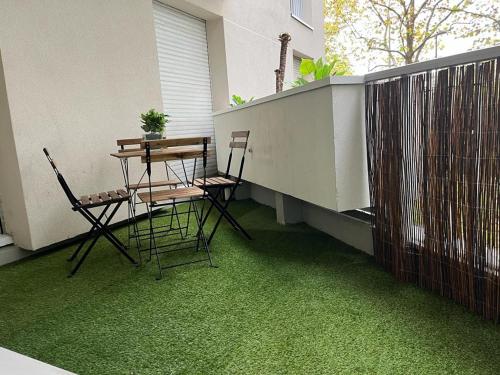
388	33
154	122
318	70
238	100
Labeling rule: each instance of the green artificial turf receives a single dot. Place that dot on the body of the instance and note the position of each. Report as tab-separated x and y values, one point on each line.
292	301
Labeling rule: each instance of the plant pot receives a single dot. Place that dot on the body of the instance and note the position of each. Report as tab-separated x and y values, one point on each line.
152	136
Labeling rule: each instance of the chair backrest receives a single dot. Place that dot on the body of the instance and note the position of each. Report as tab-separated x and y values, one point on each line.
62	181
121	143
149	158
174	142
239	140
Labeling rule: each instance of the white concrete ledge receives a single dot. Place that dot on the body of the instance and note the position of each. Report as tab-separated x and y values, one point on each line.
335	80
307	143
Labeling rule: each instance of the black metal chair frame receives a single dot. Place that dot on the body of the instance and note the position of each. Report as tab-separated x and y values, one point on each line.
200	235
135	232
99	228
213	197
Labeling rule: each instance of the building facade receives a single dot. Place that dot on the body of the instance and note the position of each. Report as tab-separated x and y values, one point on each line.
74	77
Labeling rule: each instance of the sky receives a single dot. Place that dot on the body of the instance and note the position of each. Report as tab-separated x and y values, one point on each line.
452	46
448	43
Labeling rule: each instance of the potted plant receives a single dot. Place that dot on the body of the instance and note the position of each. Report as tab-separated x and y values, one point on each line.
153	124
238	100
318	70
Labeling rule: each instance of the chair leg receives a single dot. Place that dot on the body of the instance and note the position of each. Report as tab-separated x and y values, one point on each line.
101	231
212	198
136	227
224	213
134	231
107	233
174	209
172	216
104	230
82	259
129	220
188	217
202	234
152	242
90	233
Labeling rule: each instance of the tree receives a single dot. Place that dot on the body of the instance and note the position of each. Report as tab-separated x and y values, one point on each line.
284	39
403	31
337	16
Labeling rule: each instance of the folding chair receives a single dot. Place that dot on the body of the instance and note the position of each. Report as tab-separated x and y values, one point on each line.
99	228
133	188
239	140
162	198
122	143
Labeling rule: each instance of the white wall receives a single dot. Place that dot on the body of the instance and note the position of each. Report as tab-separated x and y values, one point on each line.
306	142
248	43
11	189
77	75
252	29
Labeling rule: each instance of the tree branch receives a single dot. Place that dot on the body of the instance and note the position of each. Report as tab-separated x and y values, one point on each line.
389	51
435	27
479	15
389	9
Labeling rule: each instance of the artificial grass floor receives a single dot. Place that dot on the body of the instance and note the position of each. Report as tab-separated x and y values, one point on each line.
291	301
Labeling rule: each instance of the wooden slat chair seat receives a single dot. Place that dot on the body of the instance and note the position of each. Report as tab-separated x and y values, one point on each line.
109	202
168	198
101	199
214	186
214	182
166	195
145	185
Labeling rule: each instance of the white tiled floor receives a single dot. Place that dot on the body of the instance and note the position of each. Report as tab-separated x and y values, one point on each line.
11	253
5	240
13	363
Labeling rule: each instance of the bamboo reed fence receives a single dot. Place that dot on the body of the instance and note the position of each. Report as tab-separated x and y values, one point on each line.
433	141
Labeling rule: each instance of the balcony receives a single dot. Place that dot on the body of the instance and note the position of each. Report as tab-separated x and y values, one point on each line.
372	203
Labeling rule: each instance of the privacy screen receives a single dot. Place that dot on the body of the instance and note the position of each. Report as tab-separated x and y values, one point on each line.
433	141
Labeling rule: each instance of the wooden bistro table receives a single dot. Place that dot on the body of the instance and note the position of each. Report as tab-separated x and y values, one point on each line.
182	149
165	154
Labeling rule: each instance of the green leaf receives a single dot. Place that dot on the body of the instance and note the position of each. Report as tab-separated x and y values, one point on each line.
238	100
301	81
306	67
153	121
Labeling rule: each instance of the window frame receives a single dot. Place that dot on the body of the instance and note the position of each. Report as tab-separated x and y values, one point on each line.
297	17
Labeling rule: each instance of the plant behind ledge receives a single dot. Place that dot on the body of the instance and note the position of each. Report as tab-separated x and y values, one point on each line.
317	70
238	100
154	122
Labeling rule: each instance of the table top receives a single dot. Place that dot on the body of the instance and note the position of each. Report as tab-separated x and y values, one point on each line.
165	154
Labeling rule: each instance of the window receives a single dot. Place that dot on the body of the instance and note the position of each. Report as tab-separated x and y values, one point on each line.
296	66
297	8
301	10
